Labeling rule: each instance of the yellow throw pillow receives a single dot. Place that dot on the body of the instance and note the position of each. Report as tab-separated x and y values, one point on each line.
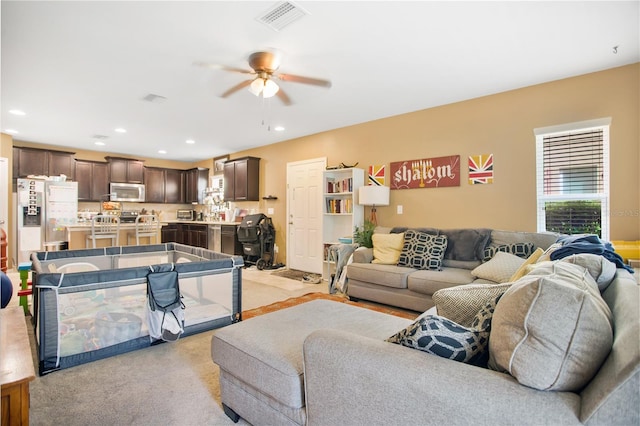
522	271
387	248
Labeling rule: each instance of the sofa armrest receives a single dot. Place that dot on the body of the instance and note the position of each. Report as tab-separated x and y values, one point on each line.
363	255
350	379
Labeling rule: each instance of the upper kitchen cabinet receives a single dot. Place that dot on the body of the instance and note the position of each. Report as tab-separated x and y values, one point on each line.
154	185
93	180
196	181
164	185
242	179
62	163
42	162
125	170
174	186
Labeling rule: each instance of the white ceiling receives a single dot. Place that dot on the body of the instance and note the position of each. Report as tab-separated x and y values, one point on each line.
80	69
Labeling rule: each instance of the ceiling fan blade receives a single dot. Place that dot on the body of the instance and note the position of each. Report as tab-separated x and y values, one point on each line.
304	80
222	67
236	88
283	97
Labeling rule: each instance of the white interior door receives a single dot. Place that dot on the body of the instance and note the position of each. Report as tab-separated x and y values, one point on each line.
304	215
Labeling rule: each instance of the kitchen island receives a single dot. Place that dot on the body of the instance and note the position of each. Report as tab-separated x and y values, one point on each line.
77	235
218	236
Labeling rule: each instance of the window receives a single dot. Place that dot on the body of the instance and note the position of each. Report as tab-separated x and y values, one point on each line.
572	176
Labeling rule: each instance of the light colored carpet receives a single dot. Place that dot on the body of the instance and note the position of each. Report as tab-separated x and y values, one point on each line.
166	384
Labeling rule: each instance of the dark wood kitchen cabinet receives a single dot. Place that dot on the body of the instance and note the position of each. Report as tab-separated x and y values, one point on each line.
183	233
42	162
154	185
242	179
169	233
93	180
62	163
125	170
174	186
163	185
196	181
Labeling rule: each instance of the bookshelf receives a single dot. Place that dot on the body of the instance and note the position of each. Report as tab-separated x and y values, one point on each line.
342	213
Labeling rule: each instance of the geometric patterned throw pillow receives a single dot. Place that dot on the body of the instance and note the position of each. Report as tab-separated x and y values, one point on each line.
440	336
422	250
522	250
482	320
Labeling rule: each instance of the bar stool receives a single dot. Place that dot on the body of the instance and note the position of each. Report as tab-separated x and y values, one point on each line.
147	225
103	227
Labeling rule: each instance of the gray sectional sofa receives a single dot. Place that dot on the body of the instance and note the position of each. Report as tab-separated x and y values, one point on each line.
329	363
411	288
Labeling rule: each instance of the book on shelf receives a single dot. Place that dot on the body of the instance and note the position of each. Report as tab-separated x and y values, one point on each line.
339	205
339	185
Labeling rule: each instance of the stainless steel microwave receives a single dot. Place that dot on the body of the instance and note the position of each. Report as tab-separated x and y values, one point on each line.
131	192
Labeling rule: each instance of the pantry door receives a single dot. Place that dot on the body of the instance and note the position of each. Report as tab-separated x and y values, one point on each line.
304	215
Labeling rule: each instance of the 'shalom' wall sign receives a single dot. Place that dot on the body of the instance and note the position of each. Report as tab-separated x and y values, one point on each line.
426	173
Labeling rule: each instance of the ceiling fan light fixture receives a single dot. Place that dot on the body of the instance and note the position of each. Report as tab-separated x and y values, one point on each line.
256	86
270	89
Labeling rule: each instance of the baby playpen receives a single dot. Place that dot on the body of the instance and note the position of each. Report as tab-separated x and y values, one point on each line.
92	304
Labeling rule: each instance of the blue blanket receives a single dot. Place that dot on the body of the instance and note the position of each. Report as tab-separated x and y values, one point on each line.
576	244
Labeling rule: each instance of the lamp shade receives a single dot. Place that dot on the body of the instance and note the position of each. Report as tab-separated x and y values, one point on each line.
373	195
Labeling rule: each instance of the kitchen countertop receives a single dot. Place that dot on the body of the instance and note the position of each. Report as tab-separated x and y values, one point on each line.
84	226
198	222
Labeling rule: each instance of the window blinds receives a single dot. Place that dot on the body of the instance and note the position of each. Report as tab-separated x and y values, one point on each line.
573	163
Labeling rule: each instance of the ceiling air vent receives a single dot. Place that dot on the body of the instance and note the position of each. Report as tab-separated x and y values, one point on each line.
100	137
156	99
281	15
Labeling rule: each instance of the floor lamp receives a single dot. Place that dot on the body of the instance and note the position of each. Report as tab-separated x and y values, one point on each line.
373	195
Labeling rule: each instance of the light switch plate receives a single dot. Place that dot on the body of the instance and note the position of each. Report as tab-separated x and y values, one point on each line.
270	210
399	209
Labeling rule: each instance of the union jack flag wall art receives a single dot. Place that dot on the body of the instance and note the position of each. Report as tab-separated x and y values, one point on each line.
376	175
480	169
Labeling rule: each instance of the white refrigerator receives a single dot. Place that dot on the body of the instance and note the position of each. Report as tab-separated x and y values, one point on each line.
45	209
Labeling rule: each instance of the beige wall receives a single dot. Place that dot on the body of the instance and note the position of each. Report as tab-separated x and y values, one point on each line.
501	124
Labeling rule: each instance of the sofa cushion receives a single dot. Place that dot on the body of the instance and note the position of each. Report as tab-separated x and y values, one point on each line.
523	250
422	250
440	336
465	244
551	329
428	282
522	270
538	239
387	248
601	269
500	268
384	275
461	303
403	229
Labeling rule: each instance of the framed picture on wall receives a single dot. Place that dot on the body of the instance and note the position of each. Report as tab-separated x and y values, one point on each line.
218	163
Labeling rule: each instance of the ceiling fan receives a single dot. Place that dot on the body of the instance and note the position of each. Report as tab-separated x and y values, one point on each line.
264	66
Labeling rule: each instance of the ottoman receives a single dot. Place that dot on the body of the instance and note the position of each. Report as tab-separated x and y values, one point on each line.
261	363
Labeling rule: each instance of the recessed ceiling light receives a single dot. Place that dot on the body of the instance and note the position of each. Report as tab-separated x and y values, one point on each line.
99	143
162	151
121	130
190	141
11	131
278	128
16	112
